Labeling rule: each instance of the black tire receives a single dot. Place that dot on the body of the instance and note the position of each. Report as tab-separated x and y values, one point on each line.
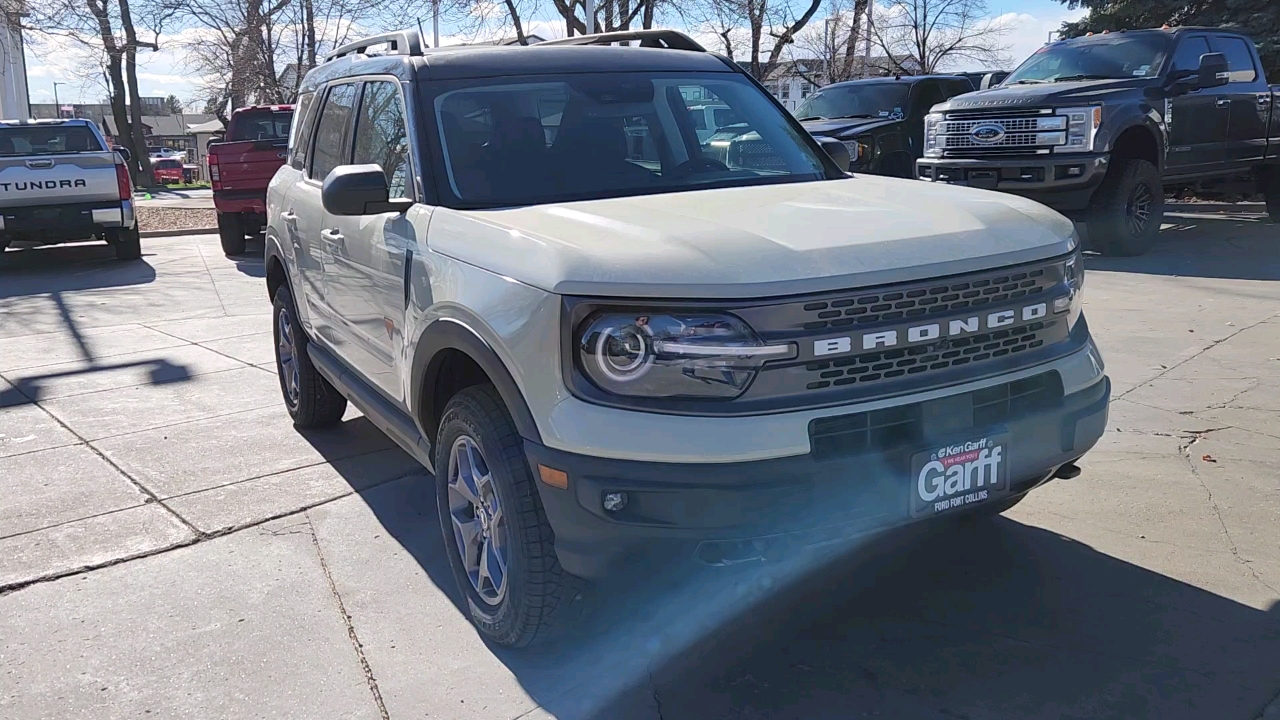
1271	193
1125	215
128	244
231	233
316	403
537	589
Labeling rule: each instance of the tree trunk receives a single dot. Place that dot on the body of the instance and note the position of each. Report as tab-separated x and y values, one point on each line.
647	17
116	91
309	21
144	177
515	20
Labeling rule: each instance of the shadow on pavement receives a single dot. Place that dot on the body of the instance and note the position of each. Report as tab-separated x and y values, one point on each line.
160	372
251	261
67	268
989	619
1209	243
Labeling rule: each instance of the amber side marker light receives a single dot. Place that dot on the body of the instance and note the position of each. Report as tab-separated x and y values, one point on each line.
553	477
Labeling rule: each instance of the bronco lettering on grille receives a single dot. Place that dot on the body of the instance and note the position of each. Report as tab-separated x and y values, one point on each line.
926	332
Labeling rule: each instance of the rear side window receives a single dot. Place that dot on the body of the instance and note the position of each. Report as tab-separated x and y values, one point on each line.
381	136
331	148
300	132
47	140
1188	54
168	164
1239	59
261	125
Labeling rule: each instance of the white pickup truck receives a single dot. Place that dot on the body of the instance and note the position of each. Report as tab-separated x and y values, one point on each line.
60	182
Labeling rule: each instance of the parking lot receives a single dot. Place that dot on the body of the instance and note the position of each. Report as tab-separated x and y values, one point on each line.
171	547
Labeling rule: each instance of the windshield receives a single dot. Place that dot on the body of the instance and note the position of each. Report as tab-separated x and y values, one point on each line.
47	140
1094	58
261	125
861	100
608	135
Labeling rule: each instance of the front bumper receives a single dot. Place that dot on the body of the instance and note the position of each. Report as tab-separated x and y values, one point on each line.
1063	182
705	508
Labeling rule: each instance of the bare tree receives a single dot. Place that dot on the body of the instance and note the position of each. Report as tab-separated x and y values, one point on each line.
765	27
923	36
836	44
610	15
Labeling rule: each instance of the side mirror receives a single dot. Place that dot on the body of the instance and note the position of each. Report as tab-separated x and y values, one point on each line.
359	190
124	153
1213	71
837	150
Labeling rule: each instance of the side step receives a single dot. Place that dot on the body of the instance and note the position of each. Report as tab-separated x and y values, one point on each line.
381	412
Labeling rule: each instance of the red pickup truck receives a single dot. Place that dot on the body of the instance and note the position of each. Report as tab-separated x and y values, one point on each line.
242	165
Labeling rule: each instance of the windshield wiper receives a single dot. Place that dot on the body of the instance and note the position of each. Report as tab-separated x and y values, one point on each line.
1030	81
1083	76
812	117
851	117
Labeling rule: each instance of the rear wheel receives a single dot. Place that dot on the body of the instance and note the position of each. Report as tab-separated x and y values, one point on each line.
1126	212
231	232
128	244
311	400
496	533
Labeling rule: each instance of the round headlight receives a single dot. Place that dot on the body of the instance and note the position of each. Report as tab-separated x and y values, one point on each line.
624	353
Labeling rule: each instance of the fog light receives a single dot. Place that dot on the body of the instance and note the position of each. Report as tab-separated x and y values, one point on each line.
1062	304
615	501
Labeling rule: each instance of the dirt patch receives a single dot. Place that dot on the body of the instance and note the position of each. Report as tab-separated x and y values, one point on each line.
165	218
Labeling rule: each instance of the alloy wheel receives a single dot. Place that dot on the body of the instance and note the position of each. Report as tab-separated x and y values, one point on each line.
1138	210
286	351
479	523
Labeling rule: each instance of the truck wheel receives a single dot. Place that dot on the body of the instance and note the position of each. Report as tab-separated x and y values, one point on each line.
1127	210
1271	193
231	232
311	401
496	533
128	244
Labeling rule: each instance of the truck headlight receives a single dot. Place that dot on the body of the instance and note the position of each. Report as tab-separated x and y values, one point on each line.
931	122
1082	125
671	354
1072	303
860	149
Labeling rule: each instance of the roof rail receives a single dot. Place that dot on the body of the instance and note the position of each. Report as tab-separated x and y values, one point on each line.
400	42
671	39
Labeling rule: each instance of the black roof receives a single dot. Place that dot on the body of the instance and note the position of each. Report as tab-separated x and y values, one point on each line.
471	61
908	79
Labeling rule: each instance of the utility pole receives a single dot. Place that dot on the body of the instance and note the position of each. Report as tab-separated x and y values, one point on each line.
57	106
866	50
435	23
589	9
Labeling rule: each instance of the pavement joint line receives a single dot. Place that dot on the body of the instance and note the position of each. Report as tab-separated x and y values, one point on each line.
1185	451
212	282
653	688
326	461
201	537
351	628
1222	425
1195	355
182	422
75	520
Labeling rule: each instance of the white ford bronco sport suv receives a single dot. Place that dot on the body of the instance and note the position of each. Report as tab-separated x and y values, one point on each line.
60	182
524	267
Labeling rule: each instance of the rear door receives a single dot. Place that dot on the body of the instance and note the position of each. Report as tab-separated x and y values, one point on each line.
330	147
1198	120
368	288
1250	102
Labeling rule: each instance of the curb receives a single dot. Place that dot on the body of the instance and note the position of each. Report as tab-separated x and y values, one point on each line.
1241	208
175	233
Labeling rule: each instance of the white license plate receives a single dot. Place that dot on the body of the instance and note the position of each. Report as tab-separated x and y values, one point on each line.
949	477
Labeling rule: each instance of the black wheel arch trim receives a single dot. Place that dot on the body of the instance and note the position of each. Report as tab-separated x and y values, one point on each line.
452	334
1130	120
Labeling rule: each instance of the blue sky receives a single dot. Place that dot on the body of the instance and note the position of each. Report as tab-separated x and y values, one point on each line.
163	73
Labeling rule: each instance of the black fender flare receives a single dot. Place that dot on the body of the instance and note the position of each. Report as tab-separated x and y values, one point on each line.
451	334
1144	120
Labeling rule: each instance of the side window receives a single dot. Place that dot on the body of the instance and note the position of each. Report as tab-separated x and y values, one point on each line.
952	88
381	136
1239	58
331	148
300	133
1187	57
929	94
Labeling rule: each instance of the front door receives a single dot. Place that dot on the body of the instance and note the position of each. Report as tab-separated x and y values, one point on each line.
376	253
1197	120
1250	99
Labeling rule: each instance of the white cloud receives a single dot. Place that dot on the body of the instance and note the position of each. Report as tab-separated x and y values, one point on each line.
1027	32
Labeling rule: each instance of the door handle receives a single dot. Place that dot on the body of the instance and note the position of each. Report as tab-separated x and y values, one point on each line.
1264	100
333	236
288	216
1223	102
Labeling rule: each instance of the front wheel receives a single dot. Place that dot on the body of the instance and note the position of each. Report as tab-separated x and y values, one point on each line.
231	233
496	533
1126	212
311	400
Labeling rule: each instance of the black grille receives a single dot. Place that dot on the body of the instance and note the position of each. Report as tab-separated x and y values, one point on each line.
890	364
995	112
902	427
925	300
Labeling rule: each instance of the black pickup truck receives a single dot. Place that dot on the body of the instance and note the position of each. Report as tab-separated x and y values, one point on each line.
1101	127
880	120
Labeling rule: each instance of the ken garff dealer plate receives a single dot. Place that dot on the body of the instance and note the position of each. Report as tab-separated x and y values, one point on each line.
988	133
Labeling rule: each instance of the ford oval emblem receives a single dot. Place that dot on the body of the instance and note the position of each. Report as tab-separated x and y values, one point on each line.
988	134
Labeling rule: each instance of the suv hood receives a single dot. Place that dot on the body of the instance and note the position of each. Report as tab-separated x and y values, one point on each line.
755	241
1059	94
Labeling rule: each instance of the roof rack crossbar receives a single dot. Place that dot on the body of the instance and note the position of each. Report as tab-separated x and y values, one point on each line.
400	42
670	39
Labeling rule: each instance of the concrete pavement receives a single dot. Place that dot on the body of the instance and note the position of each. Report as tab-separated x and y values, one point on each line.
171	547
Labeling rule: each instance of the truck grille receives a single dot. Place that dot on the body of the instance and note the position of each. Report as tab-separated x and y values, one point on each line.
1021	132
